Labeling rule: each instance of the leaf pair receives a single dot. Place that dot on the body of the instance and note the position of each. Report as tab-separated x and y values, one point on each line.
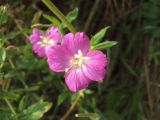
98	37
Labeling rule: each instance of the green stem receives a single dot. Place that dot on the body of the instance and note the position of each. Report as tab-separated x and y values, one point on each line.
10	106
73	105
95	115
59	14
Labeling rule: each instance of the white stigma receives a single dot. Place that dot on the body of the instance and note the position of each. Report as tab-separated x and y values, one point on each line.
45	42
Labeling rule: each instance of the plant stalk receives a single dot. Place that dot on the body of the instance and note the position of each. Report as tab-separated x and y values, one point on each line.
72	106
59	14
10	106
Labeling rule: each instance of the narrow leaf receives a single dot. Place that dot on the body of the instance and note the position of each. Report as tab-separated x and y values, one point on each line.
72	15
21	104
99	35
3	14
8	95
104	45
53	20
2	54
62	97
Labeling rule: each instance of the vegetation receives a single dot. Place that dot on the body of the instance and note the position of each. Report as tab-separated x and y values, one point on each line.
130	91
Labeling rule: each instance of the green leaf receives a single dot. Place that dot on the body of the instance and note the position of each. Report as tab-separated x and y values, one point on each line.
35	111
62	97
8	95
88	91
74	96
36	17
3	14
21	104
5	114
104	45
99	36
53	20
2	54
72	15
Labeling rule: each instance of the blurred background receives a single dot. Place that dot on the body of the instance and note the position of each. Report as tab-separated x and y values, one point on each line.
131	89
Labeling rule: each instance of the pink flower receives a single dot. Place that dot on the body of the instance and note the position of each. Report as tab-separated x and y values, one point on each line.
80	64
42	41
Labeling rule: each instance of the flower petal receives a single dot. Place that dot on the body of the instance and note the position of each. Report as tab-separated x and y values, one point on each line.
54	34
58	59
76	42
76	80
39	50
98	58
94	68
35	36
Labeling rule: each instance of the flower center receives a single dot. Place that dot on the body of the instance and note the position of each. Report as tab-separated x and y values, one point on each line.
46	42
77	60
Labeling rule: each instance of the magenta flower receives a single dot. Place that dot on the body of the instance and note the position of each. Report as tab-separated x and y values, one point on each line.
42	41
80	64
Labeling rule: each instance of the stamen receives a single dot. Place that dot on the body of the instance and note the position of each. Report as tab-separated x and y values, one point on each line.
78	59
45	41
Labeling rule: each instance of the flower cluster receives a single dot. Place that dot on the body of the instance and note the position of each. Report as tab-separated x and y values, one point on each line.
73	56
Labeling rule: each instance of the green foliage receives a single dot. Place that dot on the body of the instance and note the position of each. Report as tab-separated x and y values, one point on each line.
6	115
2	56
72	15
35	111
8	95
62	97
53	20
97	38
21	105
3	15
104	45
130	90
